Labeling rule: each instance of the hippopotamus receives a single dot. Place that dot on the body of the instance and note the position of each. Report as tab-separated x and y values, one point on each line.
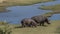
28	22
40	19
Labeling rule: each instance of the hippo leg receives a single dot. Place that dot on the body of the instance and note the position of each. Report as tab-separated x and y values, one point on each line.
33	24
29	25
42	23
23	25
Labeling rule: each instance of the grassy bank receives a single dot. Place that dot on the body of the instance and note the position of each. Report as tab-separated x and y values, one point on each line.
57	30
24	2
8	3
54	8
50	29
49	14
3	9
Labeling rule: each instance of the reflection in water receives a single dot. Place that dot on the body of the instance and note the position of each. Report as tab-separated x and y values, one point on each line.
19	12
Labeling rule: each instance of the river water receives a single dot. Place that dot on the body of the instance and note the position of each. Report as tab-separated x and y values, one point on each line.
17	13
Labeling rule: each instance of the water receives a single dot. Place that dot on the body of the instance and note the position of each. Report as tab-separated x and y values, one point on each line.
19	12
55	17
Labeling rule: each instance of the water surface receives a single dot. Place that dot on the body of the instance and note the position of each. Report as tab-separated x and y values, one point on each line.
19	12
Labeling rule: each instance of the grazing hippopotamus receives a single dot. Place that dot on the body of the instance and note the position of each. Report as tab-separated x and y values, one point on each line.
39	19
28	22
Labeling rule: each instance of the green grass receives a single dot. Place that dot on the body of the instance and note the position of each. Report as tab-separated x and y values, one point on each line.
50	29
57	30
5	29
54	7
49	14
19	3
26	2
22	2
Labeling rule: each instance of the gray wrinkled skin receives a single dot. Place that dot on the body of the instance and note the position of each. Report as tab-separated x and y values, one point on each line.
40	19
27	22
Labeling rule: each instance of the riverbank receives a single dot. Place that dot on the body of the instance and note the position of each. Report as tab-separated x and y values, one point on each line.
58	30
50	29
23	2
54	8
8	3
49	14
3	10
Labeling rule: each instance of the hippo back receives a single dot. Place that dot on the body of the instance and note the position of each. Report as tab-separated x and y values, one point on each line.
39	18
28	20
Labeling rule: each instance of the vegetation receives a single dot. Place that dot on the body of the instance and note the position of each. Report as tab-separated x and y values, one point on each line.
3	23
54	8
5	28
49	14
23	2
7	3
49	29
3	9
58	30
